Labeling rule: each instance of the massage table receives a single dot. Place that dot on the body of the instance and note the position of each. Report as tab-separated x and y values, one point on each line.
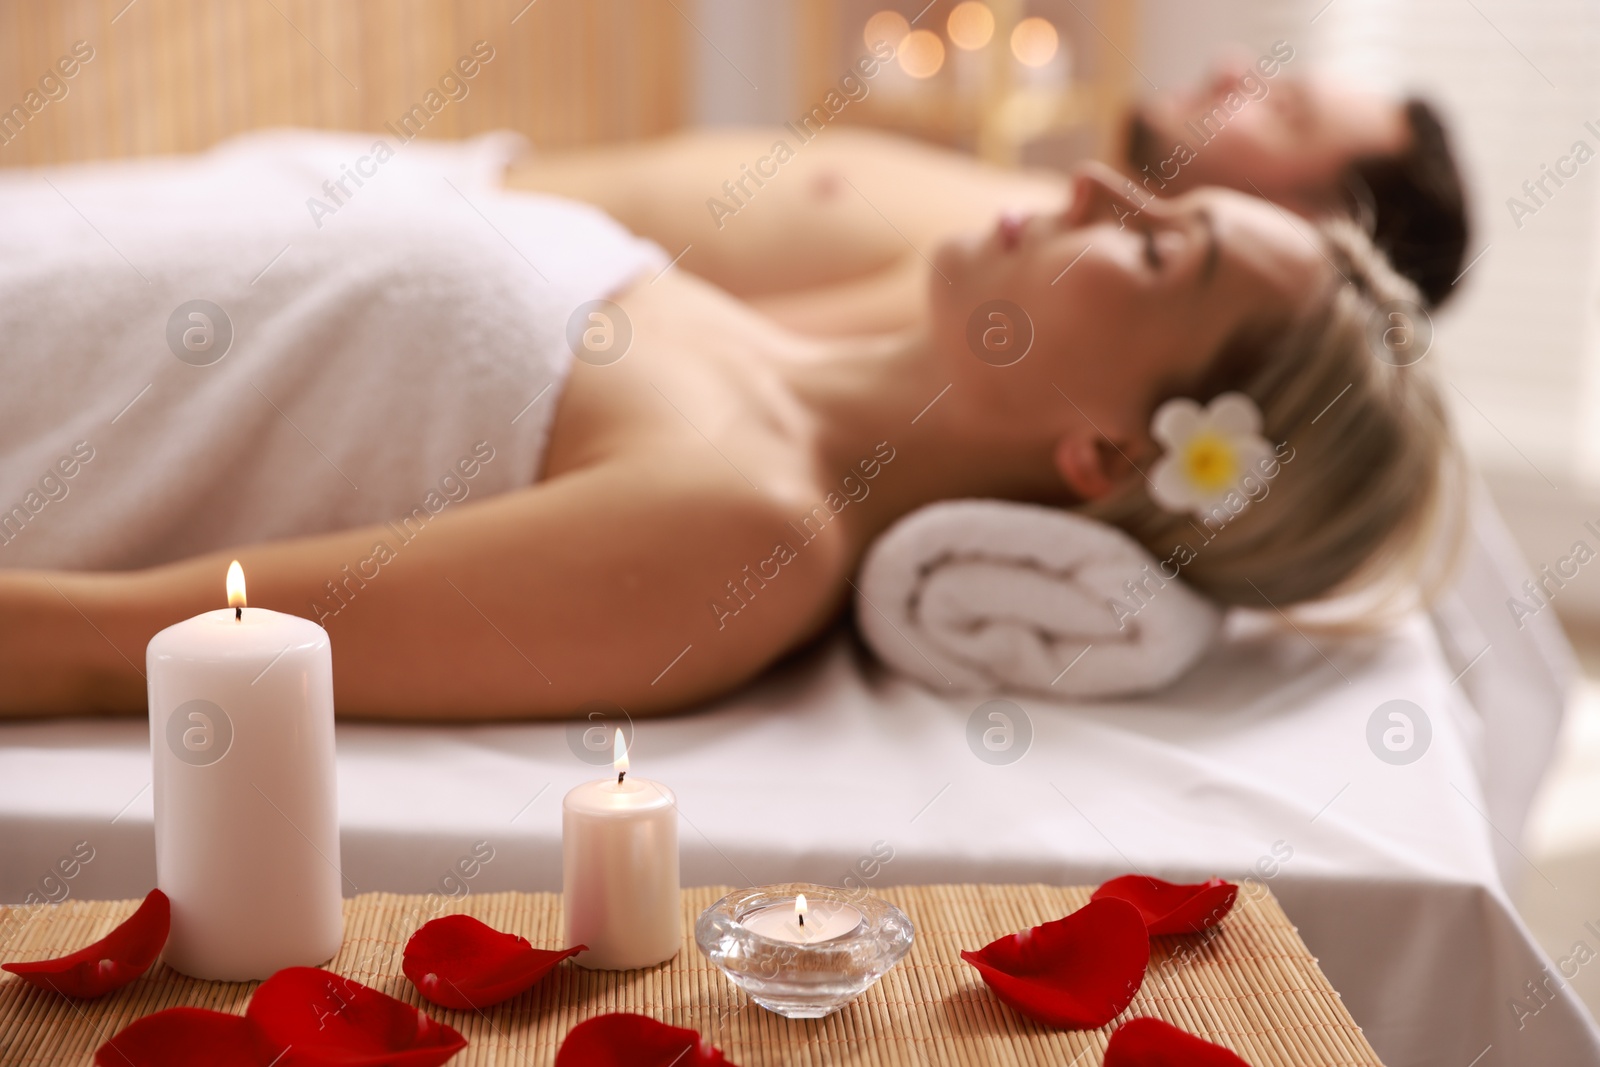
1255	765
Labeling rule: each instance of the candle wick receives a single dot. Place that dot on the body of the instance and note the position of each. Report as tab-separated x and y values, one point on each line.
238	614
620	776
802	920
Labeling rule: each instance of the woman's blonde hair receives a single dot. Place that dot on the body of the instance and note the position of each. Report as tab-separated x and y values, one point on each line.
1366	487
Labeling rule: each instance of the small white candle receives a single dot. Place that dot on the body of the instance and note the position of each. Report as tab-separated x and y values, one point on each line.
246	810
619	867
803	923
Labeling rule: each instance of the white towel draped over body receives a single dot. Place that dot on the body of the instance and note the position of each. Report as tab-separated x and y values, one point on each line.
372	354
980	595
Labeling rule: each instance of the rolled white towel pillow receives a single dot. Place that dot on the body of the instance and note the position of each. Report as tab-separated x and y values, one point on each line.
980	595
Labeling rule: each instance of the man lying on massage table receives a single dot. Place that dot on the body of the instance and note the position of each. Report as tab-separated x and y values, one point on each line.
669	472
858	208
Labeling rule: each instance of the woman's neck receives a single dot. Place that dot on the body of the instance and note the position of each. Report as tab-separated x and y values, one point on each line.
937	417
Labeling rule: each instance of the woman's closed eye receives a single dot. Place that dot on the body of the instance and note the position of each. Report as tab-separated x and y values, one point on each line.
1152	252
1169	247
1162	246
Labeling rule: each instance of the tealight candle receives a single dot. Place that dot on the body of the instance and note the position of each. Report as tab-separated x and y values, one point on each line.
803	924
246	809
803	950
619	870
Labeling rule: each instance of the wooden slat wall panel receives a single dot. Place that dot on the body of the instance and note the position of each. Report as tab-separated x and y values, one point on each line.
180	75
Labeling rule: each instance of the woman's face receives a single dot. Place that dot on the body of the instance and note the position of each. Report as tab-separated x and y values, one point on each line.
1129	299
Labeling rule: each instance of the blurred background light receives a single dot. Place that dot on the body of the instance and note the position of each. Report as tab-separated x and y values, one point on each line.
921	53
971	25
1034	41
890	26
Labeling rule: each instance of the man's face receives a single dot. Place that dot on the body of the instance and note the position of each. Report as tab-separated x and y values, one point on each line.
1286	137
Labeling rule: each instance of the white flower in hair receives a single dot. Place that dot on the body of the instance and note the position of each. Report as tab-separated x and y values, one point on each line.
1209	451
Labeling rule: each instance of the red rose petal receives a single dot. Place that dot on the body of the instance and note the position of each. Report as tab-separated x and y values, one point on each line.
111	962
621	1039
458	962
320	1017
1079	972
1169	908
181	1037
1146	1042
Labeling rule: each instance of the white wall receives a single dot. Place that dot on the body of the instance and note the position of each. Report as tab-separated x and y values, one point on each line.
1519	81
1518	338
1516	81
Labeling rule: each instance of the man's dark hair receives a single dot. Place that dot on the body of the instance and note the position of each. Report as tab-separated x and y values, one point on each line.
1414	204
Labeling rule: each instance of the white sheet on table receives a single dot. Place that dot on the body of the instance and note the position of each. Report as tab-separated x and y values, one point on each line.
1516	675
1392	881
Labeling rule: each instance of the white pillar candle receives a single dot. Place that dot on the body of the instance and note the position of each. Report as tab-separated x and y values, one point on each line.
619	867
804	923
247	823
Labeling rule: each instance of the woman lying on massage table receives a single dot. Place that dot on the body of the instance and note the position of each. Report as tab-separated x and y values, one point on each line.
606	573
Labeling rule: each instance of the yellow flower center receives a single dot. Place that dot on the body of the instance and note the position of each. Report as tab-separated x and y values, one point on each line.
1210	462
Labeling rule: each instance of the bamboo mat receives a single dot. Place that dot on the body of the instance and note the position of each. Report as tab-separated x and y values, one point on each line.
1251	985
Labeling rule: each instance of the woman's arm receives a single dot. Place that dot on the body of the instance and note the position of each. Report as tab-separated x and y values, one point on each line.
590	586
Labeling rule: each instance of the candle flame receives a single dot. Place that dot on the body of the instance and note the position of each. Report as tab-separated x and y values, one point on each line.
236	585
801	909
620	762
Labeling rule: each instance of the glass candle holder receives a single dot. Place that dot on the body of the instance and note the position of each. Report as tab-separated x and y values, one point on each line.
809	969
